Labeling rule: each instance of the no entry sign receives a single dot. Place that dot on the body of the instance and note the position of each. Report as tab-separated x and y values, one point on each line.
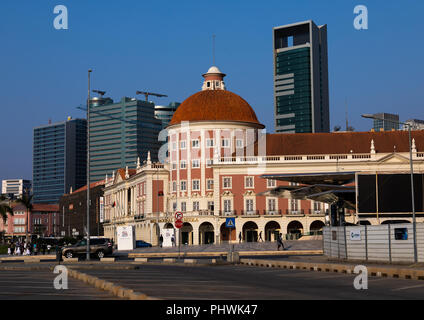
178	216
178	224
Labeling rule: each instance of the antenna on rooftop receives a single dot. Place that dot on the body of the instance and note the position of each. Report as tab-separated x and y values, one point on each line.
213	49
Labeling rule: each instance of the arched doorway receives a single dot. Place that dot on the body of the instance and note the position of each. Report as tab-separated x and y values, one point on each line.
206	233
316	227
272	230
250	232
187	234
227	234
294	229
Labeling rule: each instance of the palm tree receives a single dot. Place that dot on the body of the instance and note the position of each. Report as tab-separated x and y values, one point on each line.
26	201
4	209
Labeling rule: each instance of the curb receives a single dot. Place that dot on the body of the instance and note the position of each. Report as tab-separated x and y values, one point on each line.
219	254
338	268
118	291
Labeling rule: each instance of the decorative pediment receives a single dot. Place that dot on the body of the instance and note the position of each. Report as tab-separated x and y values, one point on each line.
394	158
227	194
249	193
209	194
195	195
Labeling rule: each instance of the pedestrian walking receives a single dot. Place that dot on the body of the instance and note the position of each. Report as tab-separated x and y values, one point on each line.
173	241
161	241
260	236
240	237
280	242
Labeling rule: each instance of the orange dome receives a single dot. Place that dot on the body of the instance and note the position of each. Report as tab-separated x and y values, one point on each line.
215	105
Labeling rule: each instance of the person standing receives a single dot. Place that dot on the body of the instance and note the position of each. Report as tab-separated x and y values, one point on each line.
173	241
280	242
240	238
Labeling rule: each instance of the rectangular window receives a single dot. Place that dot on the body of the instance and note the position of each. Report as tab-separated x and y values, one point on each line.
174	146
174	206
271	183
174	166
195	143
196	185
209	162
183	164
183	207
196	206
183	145
226	182
225	143
210	184
210	143
272	205
239	143
249	205
183	185
174	186
211	206
248	182
195	164
227	206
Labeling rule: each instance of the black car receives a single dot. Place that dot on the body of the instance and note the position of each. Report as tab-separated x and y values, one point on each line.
100	247
142	244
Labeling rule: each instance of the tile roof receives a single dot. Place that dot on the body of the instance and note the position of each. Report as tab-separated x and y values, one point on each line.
92	185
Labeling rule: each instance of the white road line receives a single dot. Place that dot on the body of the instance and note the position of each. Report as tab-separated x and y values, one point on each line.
410	287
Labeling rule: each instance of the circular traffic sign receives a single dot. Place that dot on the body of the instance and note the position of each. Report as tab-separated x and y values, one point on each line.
178	215
178	224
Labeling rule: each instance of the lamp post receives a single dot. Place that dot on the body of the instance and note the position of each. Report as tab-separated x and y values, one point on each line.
414	222
88	167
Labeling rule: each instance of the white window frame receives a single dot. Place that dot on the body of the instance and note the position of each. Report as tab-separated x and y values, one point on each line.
196	206
210	143
197	161
228	203
249	178
208	182
183	206
225	143
271	183
183	164
239	143
230	179
197	183
183	144
183	183
195	144
209	163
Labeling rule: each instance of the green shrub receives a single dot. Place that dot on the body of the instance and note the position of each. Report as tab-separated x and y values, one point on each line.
3	249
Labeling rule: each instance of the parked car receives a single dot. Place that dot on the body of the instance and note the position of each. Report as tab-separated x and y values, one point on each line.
142	244
99	247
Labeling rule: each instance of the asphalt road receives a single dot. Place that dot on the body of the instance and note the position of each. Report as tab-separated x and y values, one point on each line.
254	283
38	285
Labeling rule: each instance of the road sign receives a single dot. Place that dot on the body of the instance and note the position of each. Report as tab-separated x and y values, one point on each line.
178	224
179	216
230	222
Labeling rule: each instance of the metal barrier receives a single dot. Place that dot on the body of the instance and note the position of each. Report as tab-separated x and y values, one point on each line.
383	243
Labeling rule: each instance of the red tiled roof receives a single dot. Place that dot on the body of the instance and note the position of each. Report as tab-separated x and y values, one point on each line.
92	185
340	143
131	172
214	105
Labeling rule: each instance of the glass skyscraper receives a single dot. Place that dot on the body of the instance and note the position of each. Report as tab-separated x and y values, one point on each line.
59	159
301	78
120	133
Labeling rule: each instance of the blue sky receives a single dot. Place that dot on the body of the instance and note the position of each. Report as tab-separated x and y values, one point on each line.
165	46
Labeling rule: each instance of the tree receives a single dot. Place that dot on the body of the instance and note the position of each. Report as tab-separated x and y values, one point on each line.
4	208
26	201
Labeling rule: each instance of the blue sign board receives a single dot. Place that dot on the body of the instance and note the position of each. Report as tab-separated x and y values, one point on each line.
230	223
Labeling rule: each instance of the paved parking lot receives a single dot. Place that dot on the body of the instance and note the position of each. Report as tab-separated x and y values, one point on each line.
38	285
254	283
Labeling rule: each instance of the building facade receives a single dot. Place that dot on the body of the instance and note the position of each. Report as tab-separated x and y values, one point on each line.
301	94
73	211
16	187
218	156
415	124
386	122
165	113
59	159
120	133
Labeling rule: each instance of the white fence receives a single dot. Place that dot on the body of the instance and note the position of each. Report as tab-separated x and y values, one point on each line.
384	243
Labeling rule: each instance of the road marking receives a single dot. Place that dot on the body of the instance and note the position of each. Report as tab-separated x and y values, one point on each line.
410	287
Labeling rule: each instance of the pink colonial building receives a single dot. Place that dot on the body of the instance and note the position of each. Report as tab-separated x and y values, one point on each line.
218	153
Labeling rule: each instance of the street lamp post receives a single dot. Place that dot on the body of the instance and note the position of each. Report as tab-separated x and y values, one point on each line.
414	222
88	168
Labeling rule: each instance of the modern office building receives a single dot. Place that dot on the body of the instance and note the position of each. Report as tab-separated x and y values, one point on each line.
386	122
16	187
120	133
59	159
165	113
301	78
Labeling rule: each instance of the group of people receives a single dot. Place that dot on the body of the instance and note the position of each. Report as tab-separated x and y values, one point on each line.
26	249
